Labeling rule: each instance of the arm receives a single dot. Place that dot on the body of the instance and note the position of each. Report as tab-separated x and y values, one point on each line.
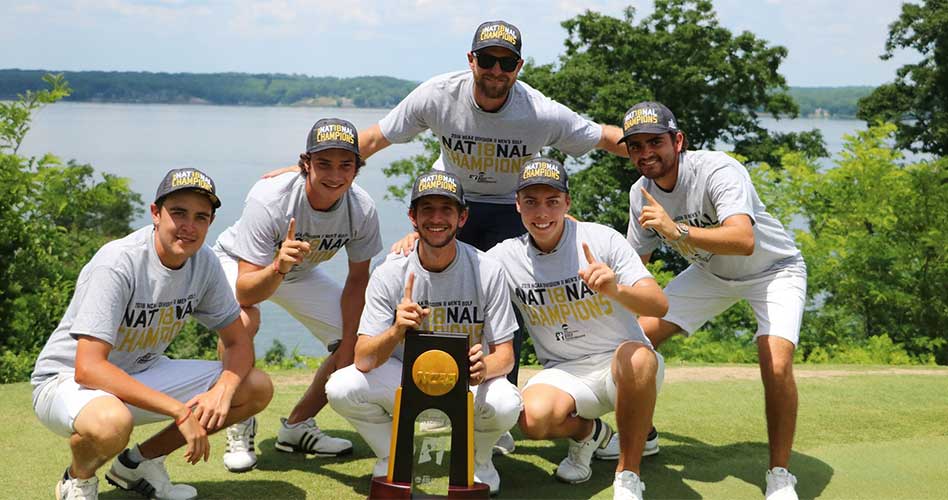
610	141
257	283
735	236
372	351
644	297
371	141
352	303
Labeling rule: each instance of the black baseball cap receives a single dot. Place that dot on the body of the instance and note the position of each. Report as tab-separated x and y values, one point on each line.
333	133
188	178
648	117
497	34
438	183
545	171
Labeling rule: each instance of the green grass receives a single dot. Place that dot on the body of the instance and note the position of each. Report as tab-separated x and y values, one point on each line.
858	436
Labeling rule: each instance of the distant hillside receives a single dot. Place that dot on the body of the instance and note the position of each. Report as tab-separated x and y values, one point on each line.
829	101
216	88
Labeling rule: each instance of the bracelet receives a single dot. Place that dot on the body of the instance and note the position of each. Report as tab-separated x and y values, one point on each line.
184	418
276	267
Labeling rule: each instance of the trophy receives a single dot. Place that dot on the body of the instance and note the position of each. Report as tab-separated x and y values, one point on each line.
434	385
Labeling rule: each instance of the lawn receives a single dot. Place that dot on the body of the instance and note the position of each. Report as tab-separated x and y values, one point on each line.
862	433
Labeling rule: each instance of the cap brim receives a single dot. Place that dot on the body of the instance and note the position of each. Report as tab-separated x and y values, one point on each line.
496	43
323	147
540	182
646	129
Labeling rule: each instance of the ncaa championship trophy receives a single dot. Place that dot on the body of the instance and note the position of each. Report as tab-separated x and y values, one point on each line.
435	375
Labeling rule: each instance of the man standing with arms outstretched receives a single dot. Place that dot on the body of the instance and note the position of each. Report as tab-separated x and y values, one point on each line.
578	286
102	371
704	205
290	224
444	285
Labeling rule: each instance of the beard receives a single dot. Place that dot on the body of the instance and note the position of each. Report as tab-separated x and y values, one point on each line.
449	236
493	88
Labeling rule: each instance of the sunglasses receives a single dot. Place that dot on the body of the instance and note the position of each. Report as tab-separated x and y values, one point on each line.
487	61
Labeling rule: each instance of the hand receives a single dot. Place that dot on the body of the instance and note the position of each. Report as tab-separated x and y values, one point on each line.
654	217
211	408
478	368
409	314
280	171
292	251
598	276
196	437
405	245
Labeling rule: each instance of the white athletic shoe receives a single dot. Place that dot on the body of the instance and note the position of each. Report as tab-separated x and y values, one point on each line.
575	467
240	455
781	484
381	468
505	444
77	489
149	478
627	486
611	451
305	437
487	474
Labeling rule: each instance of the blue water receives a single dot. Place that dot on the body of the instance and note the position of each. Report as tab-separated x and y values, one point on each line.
235	145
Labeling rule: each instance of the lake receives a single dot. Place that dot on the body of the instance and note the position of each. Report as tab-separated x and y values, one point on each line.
235	145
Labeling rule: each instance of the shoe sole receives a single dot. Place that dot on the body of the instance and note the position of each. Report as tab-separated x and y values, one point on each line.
647	452
142	487
292	448
576	481
238	470
500	450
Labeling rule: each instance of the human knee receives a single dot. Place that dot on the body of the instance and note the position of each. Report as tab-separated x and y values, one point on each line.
259	388
635	364
109	424
346	390
251	317
503	405
538	418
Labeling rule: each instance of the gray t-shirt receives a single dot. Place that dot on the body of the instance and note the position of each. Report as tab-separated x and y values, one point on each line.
711	187
128	298
256	237
486	149
566	319
470	296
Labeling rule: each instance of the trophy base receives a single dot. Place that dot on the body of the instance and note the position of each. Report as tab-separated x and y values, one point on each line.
381	488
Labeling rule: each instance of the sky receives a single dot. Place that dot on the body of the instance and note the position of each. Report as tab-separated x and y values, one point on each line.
830	42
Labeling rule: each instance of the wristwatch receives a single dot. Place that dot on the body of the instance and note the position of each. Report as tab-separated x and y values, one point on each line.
682	232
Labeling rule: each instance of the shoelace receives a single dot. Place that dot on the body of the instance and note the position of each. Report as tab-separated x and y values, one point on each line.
783	480
238	437
87	489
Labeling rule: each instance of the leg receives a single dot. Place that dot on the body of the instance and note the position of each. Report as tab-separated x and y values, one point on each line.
497	405
780	395
634	370
103	427
550	413
314	399
658	330
367	400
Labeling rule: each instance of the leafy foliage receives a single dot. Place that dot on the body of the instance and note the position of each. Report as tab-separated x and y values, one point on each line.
917	101
408	169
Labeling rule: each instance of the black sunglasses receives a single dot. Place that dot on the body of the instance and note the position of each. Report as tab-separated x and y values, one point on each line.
487	61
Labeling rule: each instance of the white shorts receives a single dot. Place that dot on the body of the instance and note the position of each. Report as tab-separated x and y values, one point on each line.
58	401
589	381
696	296
313	299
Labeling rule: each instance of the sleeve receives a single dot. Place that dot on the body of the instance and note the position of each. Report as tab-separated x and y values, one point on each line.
107	294
572	134
499	315
408	119
624	262
731	191
367	243
379	311
217	307
258	234
643	241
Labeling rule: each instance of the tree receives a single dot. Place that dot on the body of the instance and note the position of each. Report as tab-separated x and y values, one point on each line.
917	101
53	217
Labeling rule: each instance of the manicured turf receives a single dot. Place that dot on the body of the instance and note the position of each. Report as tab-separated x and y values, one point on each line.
860	435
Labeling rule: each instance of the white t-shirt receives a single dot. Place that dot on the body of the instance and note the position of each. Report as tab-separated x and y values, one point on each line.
256	237
128	298
469	296
711	187
486	149
566	319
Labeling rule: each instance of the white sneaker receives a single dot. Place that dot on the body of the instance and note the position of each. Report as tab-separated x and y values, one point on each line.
149	478
487	474
240	455
781	484
381	468
611	451
77	489
505	444
627	486
575	467
305	437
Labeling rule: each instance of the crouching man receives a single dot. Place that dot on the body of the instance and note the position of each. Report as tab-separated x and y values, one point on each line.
578	286
416	292
102	371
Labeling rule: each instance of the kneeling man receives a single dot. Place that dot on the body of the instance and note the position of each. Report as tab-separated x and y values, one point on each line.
417	292
102	371
578	286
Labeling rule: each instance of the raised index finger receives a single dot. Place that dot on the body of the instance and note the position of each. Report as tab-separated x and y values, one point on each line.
648	198
291	231
589	256
409	284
